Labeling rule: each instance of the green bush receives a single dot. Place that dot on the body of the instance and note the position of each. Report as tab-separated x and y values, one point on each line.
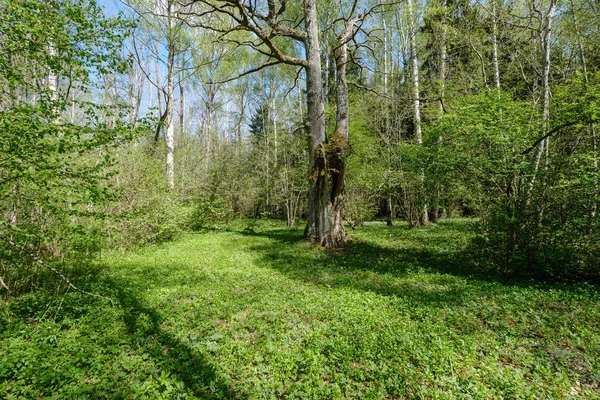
518	243
207	213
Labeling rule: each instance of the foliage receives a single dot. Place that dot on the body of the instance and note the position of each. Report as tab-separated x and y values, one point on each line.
365	173
54	167
548	229
255	313
145	212
207	212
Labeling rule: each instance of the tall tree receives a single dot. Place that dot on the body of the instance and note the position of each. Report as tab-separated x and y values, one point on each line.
543	146
268	23
421	212
165	36
54	166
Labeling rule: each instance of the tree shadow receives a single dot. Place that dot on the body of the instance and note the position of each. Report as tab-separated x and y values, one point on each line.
140	335
432	275
181	361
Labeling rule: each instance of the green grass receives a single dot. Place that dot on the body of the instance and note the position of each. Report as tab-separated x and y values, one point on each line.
254	312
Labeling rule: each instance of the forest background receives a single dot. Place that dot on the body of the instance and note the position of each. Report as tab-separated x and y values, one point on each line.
126	128
307	199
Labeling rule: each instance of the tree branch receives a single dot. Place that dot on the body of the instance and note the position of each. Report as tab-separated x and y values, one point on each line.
550	133
45	265
4	285
250	71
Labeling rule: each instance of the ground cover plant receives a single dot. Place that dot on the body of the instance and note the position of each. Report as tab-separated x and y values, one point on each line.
252	311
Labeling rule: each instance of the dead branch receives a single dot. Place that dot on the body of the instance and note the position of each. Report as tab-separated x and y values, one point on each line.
4	285
55	271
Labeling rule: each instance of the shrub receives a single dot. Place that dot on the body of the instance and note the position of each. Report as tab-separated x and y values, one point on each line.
207	213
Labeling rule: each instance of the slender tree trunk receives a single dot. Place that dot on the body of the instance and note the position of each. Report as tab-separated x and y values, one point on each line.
594	207
595	157
415	75
52	78
275	143
435	212
170	100
495	45
136	84
390	209
421	212
387	136
544	144
181	97
265	128
158	90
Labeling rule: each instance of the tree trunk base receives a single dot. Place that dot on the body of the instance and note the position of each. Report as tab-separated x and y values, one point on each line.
327	195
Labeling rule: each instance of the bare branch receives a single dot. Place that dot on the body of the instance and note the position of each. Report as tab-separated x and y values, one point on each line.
55	271
250	71
368	89
4	285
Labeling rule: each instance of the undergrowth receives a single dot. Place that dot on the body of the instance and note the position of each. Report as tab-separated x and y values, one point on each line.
253	312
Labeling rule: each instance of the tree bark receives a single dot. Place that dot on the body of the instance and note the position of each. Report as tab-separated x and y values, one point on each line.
421	212
435	212
387	135
319	226
544	144
327	160
594	207
159	94
495	45
170	100
181	95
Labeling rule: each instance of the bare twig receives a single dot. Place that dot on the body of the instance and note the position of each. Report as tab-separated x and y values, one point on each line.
250	71
369	89
60	304
54	270
4	285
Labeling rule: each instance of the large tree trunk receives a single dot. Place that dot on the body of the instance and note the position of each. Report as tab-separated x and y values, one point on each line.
326	162
319	226
339	144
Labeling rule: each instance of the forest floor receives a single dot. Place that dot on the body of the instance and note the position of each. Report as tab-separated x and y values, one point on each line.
253	312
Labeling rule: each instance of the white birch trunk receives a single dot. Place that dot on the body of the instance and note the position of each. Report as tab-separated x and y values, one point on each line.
170	100
422	211
495	45
543	145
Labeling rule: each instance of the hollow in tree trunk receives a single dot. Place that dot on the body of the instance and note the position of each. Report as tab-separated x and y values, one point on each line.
327	158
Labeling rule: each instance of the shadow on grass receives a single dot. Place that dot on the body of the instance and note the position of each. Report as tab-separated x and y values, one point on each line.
171	355
432	268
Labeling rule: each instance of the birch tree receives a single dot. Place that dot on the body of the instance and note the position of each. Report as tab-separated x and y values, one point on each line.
543	145
421	212
167	41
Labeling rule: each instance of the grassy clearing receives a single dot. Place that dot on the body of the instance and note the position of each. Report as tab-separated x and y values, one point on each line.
254	313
